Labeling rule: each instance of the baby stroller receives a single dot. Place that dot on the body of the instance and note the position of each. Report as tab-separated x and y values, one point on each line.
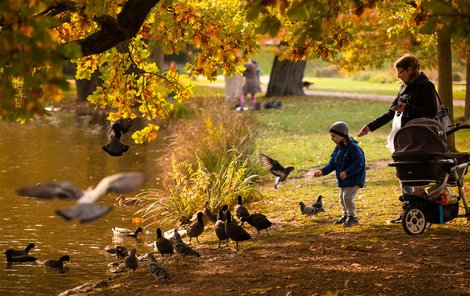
424	162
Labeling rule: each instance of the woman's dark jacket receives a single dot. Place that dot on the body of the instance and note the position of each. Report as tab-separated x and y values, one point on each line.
420	97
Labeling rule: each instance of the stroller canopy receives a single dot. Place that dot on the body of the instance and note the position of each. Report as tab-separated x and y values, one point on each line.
420	138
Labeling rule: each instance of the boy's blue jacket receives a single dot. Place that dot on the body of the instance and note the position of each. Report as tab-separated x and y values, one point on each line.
349	158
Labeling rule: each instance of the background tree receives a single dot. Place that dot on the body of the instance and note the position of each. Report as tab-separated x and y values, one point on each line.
36	36
358	34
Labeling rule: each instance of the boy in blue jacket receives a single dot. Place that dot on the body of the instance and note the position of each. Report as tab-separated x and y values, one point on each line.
349	162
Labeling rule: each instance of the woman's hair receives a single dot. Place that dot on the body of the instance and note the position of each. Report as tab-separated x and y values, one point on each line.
406	61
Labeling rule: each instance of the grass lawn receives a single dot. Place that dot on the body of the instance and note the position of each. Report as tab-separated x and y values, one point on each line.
310	255
298	135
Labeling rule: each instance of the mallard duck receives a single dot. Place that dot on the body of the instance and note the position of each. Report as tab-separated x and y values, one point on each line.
124	201
258	221
131	261
25	258
156	269
164	245
86	209
17	253
196	228
276	169
119	231
235	232
240	210
57	263
182	248
219	228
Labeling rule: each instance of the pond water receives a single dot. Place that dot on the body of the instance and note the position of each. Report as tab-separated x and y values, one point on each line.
64	147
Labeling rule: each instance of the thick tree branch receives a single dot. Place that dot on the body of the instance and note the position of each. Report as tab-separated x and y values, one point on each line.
113	31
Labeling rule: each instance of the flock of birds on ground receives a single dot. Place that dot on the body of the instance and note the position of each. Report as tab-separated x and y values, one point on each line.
85	210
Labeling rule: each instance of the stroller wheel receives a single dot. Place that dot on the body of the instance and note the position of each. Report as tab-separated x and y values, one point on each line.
414	221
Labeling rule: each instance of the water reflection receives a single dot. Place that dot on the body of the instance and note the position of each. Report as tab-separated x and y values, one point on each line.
63	148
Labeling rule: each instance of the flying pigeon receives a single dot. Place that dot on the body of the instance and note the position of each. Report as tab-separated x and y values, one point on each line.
315	208
86	209
276	169
115	131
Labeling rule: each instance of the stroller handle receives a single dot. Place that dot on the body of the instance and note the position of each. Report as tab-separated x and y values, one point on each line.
456	127
434	161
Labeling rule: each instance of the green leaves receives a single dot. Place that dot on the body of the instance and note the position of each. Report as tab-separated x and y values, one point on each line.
270	25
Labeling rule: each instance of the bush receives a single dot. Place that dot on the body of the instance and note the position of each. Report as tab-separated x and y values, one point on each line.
187	189
210	162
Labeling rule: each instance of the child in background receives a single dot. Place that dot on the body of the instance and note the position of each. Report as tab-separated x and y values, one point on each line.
251	85
173	70
349	162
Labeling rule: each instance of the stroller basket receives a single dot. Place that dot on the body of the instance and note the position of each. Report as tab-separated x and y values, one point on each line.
422	154
422	171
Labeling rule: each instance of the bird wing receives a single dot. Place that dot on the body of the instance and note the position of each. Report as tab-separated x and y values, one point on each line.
115	147
318	204
270	164
308	210
51	190
84	212
185	250
120	183
124	124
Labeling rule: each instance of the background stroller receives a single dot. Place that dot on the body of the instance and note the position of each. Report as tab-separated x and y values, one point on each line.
423	160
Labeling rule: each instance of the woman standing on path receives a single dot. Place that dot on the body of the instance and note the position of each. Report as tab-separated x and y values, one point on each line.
416	98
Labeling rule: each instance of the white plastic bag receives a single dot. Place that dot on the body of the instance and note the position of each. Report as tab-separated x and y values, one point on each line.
396	125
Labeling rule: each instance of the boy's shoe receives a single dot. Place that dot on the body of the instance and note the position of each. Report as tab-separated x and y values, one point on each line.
341	220
350	221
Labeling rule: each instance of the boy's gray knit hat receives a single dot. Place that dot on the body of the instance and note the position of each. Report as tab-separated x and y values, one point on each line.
340	128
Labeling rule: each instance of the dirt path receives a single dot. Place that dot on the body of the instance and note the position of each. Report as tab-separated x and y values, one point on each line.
293	260
344	95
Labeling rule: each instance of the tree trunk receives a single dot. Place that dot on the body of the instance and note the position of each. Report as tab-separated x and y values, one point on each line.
157	56
286	78
467	91
86	87
444	60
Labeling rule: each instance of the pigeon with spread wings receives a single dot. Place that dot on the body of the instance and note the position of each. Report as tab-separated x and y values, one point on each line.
86	209
115	131
276	169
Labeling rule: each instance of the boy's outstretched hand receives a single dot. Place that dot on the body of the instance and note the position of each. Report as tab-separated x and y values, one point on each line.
318	173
